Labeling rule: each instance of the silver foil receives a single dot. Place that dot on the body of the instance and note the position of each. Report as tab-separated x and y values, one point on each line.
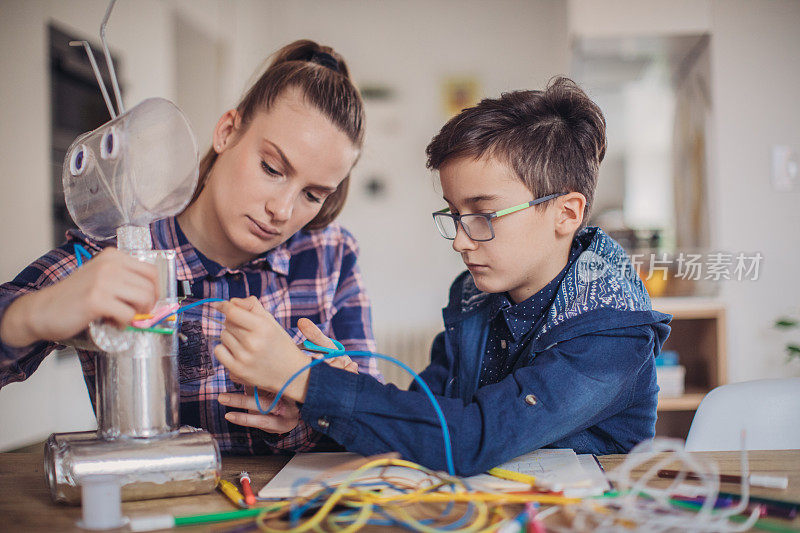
137	391
181	463
107	337
137	399
137	373
134	238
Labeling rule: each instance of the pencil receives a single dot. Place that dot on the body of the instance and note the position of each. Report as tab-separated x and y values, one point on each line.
786	504
512	476
756	480
165	521
249	497
233	494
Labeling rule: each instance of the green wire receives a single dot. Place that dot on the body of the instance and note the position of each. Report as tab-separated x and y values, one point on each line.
163	331
764	525
190	520
760	524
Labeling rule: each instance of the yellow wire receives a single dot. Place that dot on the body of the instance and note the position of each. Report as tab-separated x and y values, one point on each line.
363	517
332	520
398	506
473	497
323	511
478	523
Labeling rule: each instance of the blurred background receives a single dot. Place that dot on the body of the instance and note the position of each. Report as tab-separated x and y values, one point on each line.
700	180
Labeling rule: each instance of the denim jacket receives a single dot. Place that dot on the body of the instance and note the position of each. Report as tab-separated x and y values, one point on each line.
585	381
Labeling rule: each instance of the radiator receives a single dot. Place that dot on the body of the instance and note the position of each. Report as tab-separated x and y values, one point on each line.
412	346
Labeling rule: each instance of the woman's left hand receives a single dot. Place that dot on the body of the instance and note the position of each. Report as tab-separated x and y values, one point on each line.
282	419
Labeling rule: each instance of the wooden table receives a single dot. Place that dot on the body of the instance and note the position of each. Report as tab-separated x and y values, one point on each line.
25	503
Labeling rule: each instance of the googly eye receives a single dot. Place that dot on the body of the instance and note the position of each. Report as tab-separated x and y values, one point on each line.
77	163
109	146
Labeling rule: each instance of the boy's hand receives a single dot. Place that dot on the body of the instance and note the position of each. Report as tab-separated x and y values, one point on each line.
282	419
112	286
315	335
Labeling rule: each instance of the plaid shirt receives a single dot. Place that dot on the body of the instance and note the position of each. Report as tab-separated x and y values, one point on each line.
314	275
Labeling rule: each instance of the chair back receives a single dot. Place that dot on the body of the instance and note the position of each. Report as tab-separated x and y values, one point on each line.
768	409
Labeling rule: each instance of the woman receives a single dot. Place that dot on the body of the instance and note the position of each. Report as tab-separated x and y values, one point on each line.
260	224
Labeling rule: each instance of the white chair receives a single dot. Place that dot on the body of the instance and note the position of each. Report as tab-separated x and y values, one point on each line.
768	409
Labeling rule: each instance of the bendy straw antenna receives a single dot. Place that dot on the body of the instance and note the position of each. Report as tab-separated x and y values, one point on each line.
100	82
109	63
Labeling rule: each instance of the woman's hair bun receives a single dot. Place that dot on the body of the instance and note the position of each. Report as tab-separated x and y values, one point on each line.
312	52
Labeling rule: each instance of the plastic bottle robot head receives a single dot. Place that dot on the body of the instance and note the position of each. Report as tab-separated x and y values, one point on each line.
135	169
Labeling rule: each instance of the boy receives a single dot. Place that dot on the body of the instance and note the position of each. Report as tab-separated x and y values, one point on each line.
549	337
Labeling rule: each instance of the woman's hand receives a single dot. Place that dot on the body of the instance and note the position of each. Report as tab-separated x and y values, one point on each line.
282	419
111	286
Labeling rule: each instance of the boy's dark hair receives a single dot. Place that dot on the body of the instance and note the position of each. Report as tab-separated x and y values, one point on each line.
553	139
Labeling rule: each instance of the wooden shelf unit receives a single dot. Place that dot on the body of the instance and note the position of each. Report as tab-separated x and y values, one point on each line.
698	335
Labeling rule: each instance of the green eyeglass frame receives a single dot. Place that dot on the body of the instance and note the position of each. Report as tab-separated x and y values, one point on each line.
460	219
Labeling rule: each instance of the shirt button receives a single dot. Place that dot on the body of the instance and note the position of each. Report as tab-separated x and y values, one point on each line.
323	422
530	399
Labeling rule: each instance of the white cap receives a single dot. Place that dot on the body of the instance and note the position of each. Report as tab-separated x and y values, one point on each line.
102	505
771	482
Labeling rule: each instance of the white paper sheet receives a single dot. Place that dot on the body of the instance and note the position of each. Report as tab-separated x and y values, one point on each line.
558	469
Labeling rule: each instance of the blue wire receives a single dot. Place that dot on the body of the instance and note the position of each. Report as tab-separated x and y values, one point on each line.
393	521
80	251
186	308
389	520
330	353
324	494
295	511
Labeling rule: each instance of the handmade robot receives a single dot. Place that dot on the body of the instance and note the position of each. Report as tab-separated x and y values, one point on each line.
137	168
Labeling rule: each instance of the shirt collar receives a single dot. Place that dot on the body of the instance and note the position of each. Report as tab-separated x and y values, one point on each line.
277	258
191	264
520	318
523	316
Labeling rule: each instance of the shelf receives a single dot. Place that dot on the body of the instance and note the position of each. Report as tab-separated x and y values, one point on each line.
699	336
689	307
687	402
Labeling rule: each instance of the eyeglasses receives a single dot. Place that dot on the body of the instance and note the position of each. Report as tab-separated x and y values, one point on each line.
478	226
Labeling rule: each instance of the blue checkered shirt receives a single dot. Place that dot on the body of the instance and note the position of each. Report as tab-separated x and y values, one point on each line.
313	275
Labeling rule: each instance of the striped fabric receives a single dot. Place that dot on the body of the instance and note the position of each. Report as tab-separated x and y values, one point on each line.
314	275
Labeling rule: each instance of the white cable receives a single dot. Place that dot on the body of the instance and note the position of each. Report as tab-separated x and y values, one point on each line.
643	508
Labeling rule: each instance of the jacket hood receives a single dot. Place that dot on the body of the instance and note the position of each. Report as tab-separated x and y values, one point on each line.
601	286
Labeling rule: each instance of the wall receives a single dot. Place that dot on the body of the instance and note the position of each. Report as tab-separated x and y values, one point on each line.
616	18
410	47
142	34
754	106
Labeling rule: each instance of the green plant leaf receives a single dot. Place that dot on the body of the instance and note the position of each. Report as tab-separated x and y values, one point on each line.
793	350
786	323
